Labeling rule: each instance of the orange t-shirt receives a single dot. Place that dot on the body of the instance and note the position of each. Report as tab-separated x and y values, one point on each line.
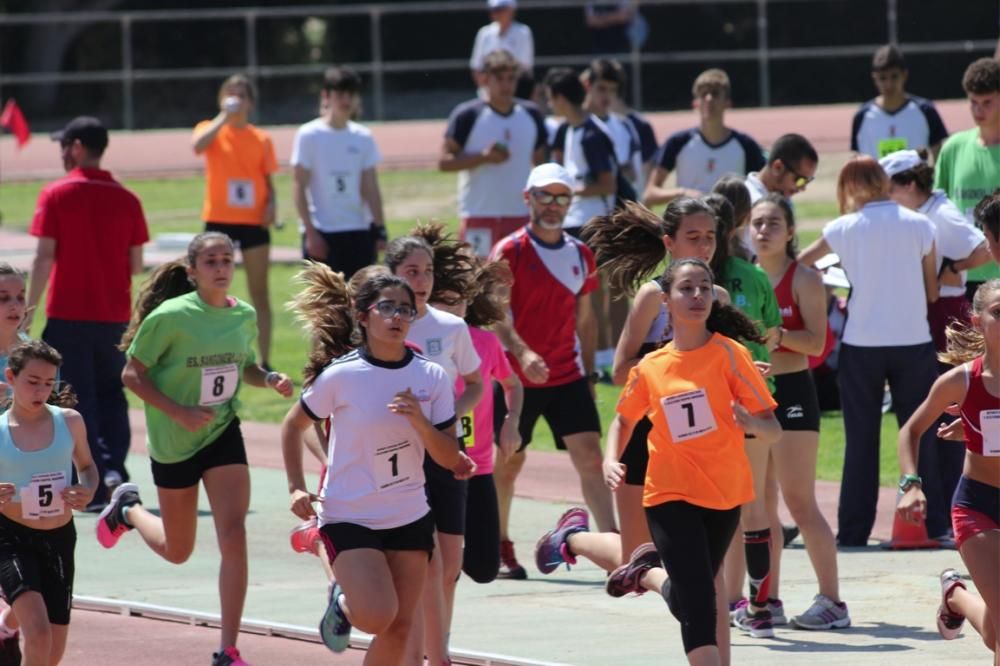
695	447
237	164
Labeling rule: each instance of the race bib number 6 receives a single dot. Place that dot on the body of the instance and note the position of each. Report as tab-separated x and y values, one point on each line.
688	415
395	464
218	384
42	497
989	421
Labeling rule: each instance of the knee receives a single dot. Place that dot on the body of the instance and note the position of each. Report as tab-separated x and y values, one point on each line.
233	538
178	554
482	572
37	639
375	619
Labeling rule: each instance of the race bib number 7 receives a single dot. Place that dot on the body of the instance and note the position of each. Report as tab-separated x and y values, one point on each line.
42	497
218	384
395	464
989	422
688	415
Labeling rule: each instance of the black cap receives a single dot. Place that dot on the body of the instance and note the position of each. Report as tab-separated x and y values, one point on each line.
89	131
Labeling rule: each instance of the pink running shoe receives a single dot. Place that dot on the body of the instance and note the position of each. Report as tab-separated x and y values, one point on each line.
228	657
111	524
305	537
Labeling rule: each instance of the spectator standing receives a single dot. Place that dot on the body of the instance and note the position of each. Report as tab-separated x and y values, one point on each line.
336	189
608	23
239	193
503	33
493	143
894	120
90	232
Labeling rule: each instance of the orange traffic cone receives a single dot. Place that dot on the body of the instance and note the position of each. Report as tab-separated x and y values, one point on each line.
908	536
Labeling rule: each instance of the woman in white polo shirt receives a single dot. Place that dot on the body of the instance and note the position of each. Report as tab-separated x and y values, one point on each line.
888	254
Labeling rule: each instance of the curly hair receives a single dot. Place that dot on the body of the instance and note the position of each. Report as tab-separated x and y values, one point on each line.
323	307
36	350
490	305
964	343
454	265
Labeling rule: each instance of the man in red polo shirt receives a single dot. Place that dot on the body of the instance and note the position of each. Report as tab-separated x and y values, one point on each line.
90	233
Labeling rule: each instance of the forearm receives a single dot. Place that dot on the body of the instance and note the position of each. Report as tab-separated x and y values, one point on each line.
144	388
470	397
460	161
803	341
373	197
619	433
441	445
510	339
656	195
41	268
291	453
203	140
907	445
302	208
979	256
254	375
88	476
765	429
514	397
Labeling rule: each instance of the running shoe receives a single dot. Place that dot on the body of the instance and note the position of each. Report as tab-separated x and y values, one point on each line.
949	623
757	624
305	537
788	534
111	523
552	549
738	612
335	628
825	613
626	578
510	569
228	657
10	648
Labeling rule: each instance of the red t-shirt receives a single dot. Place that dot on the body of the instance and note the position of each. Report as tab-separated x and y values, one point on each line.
94	221
548	280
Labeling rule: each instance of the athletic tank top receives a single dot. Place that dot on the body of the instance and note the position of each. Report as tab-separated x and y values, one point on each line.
791	316
980	413
21	467
660	330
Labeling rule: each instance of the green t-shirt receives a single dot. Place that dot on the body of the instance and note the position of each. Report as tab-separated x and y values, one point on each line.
195	354
751	292
968	171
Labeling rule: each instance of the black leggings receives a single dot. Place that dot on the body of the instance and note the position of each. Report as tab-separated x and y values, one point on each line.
692	541
481	559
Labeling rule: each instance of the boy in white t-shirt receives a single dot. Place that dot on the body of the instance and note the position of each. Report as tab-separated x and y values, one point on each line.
503	33
336	189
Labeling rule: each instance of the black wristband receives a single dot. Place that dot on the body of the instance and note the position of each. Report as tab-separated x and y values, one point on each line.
380	232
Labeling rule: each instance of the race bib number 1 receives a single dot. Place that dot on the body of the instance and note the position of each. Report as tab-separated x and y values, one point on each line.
218	384
395	464
467	431
688	415
241	193
42	497
989	422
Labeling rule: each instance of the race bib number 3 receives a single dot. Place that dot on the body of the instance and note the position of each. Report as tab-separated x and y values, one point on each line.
240	193
395	464
218	384
42	497
688	415
467	431
989	422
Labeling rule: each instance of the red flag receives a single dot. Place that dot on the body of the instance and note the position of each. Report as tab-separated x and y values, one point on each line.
14	122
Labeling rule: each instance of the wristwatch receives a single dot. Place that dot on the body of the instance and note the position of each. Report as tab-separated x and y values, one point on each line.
908	480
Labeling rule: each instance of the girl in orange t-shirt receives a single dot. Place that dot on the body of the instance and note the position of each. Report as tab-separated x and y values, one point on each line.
702	394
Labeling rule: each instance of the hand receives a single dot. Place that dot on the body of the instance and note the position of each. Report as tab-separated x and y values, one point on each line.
953	432
283	386
302	504
270	212
496	154
465	467
230	106
406	405
743	418
194	419
316	247
534	367
763	368
510	437
78	496
912	505
7	491
614	474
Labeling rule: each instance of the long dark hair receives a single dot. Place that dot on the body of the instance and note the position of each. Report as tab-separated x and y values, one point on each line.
454	270
36	350
323	307
723	319
487	307
734	188
725	223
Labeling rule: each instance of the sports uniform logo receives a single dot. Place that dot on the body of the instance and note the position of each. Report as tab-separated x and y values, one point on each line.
434	346
423	395
576	271
892	130
794	412
506	135
711	165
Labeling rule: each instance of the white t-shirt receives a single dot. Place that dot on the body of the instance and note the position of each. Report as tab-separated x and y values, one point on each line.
954	236
626	141
755	187
700	164
375	473
336	158
444	339
881	248
518	41
915	125
587	152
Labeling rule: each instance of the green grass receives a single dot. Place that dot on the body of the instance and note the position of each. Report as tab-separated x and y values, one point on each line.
173	205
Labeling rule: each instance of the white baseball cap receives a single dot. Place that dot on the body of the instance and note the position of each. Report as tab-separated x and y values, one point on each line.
549	173
500	4
900	161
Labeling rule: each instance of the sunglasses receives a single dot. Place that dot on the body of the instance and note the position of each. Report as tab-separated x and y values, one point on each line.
389	309
546	198
800	180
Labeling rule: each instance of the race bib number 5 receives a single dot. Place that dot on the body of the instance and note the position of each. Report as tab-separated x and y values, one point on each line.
218	384
395	464
989	421
42	497
688	415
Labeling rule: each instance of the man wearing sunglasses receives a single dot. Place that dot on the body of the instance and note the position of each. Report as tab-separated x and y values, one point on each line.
791	166
550	338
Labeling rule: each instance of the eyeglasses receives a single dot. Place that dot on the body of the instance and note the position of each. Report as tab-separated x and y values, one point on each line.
389	309
547	198
800	180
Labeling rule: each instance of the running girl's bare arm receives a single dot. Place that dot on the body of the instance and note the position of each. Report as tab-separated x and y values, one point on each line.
261	378
371	194
929	266
810	295
510	433
442	445
619	432
644	311
136	378
296	422
472	394
78	496
761	425
818	248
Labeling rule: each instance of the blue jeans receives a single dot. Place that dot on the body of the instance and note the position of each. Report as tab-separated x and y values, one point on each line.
92	365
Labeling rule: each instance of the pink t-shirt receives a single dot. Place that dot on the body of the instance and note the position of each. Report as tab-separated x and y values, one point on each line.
493	365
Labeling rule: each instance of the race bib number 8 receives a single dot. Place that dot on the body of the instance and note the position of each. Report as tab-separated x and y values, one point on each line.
467	431
395	464
989	422
42	497
241	193
218	384
688	415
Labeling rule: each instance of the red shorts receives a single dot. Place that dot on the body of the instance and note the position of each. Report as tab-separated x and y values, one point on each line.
482	233
967	523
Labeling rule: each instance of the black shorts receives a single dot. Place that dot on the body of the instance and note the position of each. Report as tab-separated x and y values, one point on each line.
568	409
635	457
798	403
447	497
38	561
347	251
340	537
245	236
227	449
